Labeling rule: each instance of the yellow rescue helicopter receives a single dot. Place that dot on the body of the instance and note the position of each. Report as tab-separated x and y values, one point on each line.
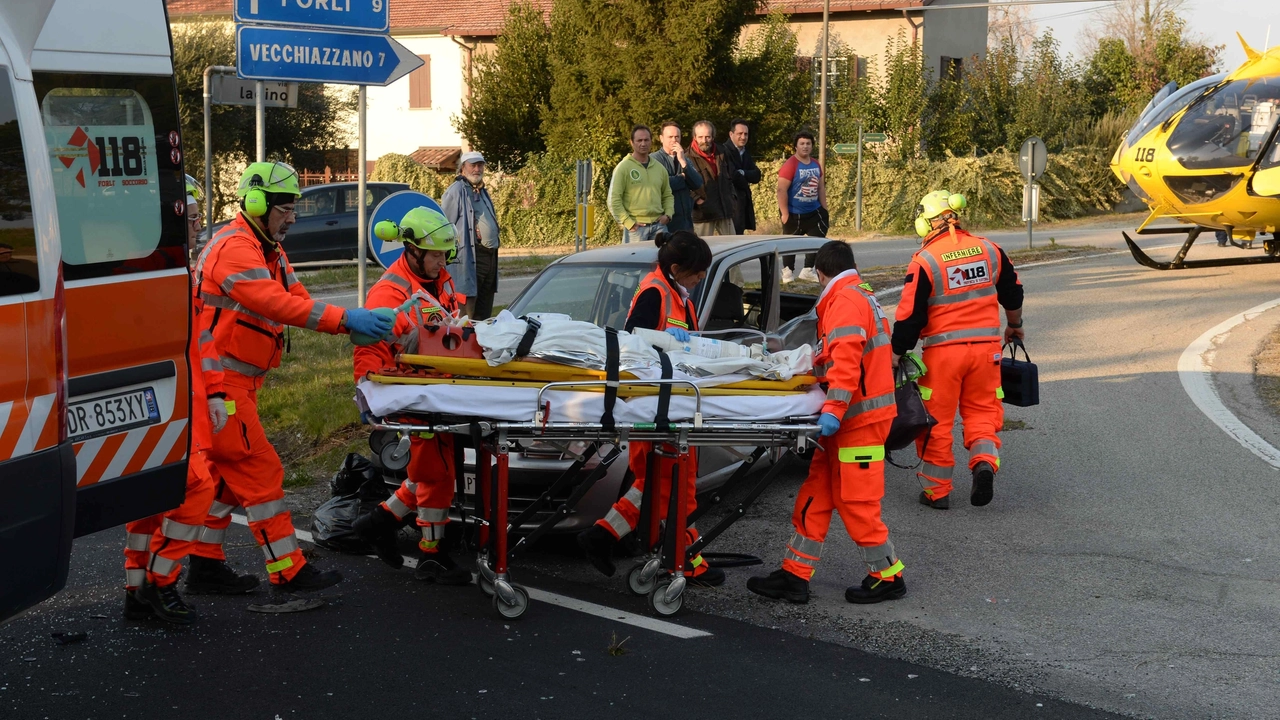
1207	155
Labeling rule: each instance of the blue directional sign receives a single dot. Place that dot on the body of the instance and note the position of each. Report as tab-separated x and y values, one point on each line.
393	207
270	53
354	15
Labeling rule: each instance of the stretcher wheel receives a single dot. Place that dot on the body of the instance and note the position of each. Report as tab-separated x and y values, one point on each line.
636	583
658	599
512	612
391	457
485	585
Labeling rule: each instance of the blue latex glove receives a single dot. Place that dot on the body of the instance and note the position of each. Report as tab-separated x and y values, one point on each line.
364	322
678	333
829	424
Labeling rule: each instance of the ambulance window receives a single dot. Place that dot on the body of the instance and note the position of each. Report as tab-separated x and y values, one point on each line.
116	158
19	272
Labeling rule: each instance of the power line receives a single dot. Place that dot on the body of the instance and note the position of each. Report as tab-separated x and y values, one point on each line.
988	6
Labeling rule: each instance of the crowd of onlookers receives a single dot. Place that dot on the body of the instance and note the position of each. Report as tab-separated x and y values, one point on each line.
706	187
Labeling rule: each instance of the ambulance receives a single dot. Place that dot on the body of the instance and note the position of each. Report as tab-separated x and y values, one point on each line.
94	284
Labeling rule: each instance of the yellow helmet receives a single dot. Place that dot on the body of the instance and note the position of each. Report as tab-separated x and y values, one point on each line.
261	179
193	189
935	204
423	228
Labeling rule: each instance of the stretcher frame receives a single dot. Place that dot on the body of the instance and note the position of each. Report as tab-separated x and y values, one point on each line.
658	575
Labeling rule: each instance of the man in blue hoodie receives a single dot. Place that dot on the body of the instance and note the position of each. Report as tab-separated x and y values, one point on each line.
683	177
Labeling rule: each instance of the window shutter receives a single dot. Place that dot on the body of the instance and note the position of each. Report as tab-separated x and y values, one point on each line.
420	84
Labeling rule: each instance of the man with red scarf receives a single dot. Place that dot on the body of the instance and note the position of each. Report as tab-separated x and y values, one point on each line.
714	202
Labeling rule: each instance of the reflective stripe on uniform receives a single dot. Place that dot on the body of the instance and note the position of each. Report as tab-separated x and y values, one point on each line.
862	454
821	369
242	367
966	334
433	515
280	565
839	395
396	507
396	280
617	522
805	546
845	331
878	557
137	542
925	393
880	340
985	447
206	337
281	547
317	312
634	496
1000	393
974	294
134	578
180	531
993	257
874	403
162	565
221	509
936	277
941	472
250	274
291	278
432	532
210	364
264	511
213	537
410	485
888	572
793	557
677	323
226	303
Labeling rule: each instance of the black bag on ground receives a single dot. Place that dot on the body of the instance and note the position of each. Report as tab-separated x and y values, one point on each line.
357	488
913	420
1019	378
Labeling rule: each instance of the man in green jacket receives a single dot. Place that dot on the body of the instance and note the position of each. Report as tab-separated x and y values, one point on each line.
640	193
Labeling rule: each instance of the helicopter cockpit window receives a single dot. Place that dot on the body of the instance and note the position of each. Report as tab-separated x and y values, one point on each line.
1161	109
1227	128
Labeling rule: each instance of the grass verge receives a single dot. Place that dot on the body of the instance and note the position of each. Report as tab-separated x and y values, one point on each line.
1266	372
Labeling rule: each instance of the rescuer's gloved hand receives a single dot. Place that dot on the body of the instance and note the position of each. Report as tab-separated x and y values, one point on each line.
678	333
217	413
829	424
371	324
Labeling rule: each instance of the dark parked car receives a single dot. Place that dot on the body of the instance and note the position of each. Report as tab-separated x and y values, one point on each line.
742	292
326	227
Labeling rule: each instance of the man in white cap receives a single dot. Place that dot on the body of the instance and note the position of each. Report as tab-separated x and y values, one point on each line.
468	206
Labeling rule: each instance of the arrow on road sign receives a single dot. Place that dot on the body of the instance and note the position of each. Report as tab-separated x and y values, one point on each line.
269	53
845	148
362	15
874	137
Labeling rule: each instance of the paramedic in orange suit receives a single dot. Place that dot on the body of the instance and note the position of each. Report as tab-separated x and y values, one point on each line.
660	303
250	293
846	474
951	300
430	241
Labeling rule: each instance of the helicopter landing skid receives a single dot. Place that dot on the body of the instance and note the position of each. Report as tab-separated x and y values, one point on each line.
1180	262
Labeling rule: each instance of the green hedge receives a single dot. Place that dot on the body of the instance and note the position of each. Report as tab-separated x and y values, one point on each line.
536	205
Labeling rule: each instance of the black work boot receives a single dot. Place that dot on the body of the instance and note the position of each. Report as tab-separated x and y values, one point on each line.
135	609
709	577
378	528
984	476
167	604
439	568
874	590
309	579
206	576
598	544
941	503
780	585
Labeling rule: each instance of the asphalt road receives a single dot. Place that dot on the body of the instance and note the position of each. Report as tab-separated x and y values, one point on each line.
1128	563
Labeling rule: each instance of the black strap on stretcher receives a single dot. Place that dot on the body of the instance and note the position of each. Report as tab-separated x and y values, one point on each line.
664	394
613	358
532	326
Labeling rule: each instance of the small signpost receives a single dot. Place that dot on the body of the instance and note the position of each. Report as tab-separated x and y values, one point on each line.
586	211
1032	159
229	90
334	41
849	149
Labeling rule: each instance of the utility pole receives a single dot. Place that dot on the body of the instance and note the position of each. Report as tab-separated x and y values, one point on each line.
822	92
261	123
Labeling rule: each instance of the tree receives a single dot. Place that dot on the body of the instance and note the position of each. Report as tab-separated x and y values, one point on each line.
1011	25
503	118
769	87
320	122
1136	22
1049	99
1119	80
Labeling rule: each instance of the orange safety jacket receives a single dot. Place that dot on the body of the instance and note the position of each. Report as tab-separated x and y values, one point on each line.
853	359
677	310
206	379
963	271
395	286
249	296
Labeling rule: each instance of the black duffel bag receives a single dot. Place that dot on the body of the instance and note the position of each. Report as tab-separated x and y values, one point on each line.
1019	378
913	420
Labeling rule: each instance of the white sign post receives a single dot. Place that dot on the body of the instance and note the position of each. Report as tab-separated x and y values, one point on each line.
1031	161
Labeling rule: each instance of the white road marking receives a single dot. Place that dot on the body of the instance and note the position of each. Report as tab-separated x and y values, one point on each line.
582	606
1195	370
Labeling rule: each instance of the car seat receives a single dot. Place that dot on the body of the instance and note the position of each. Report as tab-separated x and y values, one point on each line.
726	312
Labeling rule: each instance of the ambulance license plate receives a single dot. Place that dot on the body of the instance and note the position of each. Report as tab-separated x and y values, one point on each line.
112	414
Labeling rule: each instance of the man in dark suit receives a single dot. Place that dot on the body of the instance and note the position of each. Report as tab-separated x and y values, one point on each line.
745	174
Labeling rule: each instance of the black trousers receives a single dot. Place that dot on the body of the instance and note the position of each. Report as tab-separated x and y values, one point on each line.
813	224
480	307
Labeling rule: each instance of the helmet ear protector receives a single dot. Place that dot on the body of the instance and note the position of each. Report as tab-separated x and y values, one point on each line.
924	226
389	231
255	198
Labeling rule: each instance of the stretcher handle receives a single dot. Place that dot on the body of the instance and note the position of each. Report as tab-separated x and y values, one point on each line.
697	393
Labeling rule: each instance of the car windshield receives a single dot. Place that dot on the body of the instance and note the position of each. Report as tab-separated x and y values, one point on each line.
1227	127
1165	109
599	294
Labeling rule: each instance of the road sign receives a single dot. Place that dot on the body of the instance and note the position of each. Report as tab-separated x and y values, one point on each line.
393	207
845	148
586	220
354	15
1032	158
228	90
1031	202
270	53
874	137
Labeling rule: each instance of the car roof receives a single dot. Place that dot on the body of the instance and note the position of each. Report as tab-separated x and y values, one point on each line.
325	186
721	245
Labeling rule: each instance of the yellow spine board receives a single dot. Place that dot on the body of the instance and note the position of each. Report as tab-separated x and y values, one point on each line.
625	391
554	372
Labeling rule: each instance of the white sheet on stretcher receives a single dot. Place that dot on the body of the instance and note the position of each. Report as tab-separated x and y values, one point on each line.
518	404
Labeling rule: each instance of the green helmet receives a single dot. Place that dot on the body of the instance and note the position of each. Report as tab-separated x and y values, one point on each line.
262	179
422	228
934	204
193	188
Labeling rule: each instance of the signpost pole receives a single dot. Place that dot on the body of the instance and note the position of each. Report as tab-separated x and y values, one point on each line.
362	215
261	121
208	139
822	92
857	212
